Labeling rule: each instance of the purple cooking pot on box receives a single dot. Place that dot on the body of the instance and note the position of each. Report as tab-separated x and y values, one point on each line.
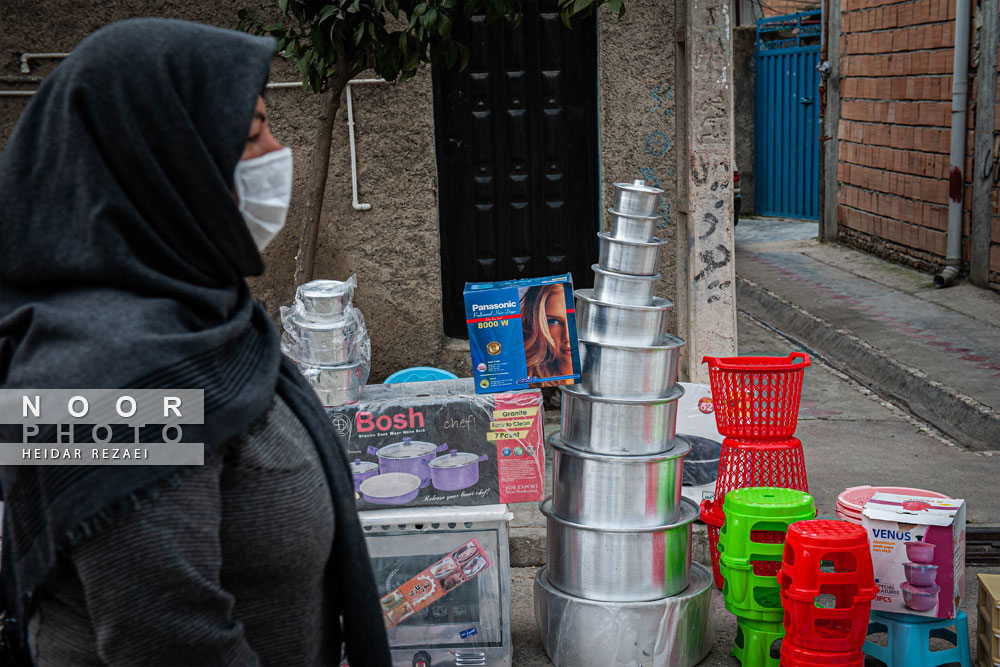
411	456
362	470
455	470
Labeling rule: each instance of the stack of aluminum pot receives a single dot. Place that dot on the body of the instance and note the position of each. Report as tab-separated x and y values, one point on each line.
619	587
326	337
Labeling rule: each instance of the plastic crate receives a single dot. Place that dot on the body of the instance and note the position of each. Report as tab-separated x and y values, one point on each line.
757	397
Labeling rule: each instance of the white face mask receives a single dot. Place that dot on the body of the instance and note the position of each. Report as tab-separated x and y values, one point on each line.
264	189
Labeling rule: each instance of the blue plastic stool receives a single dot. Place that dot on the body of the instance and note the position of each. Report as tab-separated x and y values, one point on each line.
910	636
419	374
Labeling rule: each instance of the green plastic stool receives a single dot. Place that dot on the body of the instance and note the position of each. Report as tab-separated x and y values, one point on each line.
755	643
748	565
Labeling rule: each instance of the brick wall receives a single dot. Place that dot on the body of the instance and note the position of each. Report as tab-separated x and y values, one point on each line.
896	62
783	7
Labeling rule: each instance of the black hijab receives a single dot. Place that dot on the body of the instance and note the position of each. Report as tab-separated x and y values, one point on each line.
122	263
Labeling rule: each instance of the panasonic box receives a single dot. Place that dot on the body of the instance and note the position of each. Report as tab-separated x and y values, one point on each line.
522	333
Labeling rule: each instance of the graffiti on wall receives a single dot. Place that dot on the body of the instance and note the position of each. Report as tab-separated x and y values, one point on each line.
657	146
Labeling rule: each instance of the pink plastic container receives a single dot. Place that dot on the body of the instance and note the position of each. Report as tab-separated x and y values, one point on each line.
920	552
920	574
855	497
920	598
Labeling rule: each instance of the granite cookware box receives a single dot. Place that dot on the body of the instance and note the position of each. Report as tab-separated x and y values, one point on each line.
440	443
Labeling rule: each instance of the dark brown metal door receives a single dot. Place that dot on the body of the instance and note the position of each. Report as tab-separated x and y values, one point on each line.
517	154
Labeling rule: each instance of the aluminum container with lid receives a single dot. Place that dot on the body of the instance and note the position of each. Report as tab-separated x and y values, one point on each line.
636	258
325	298
631	227
636	198
620	324
327	341
622	288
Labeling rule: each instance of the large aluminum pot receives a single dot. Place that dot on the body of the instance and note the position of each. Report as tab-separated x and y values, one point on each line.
620	564
631	227
335	385
637	258
621	288
333	341
630	372
410	456
636	198
617	491
618	324
671	632
622	426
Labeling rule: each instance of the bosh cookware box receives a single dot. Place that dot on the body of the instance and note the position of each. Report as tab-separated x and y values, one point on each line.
421	444
918	551
522	333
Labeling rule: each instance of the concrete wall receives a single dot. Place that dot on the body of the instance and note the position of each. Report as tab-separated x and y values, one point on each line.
894	130
637	112
744	83
394	247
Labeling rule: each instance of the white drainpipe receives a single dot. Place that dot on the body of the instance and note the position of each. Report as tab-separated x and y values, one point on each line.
956	178
350	133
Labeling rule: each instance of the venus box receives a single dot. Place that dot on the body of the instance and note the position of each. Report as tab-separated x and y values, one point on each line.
522	333
918	552
419	444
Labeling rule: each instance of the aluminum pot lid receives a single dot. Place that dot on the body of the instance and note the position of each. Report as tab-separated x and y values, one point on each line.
408	449
358	466
639	186
454	460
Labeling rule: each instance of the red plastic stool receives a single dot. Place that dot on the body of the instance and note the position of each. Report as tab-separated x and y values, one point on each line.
757	397
827	560
793	655
713	518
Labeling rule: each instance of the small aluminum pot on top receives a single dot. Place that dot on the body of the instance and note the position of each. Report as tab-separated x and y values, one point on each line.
623	289
597	424
636	198
630	372
335	385
627	227
619	324
637	258
619	564
617	491
325	298
455	470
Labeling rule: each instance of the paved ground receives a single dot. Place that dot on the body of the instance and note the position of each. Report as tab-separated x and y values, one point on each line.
850	437
937	351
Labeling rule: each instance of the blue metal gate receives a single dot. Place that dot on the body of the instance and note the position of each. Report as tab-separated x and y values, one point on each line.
786	128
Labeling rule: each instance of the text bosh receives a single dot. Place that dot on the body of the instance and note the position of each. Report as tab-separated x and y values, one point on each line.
365	422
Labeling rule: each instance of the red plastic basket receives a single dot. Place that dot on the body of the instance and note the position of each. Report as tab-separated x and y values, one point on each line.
742	464
757	397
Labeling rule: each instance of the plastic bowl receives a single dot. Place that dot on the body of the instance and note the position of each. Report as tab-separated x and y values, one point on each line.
920	552
855	497
920	598
920	574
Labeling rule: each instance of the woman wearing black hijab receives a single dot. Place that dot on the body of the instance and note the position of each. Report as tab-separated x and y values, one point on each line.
122	264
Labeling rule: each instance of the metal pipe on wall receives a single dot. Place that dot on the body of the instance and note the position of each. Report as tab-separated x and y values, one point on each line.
350	133
956	178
